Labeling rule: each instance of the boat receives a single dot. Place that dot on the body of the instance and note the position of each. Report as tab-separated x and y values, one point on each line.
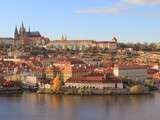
13	90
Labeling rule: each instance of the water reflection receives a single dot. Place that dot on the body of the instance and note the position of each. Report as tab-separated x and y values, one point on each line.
59	107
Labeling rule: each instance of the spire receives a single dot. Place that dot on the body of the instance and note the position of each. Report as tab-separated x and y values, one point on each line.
16	31
22	25
20	29
65	37
62	38
23	28
29	29
114	39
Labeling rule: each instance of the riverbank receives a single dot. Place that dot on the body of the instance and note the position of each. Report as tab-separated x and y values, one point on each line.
74	91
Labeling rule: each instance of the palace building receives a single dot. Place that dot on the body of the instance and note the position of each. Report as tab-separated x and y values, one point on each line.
64	43
23	37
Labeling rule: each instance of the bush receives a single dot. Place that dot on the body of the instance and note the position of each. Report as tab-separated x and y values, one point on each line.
136	89
151	84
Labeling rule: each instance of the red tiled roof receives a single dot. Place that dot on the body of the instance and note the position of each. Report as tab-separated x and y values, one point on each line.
152	71
70	61
94	79
125	67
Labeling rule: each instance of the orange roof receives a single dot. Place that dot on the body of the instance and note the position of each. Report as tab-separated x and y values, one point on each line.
94	79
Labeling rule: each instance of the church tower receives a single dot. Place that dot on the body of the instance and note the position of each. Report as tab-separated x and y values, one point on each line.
62	38
16	37
22	30
16	32
19	36
114	39
65	37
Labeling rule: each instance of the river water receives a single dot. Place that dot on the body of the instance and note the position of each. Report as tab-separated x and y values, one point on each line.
53	107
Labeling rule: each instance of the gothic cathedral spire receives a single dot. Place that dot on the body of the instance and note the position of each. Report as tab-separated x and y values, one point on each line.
65	37
16	31
22	29
62	38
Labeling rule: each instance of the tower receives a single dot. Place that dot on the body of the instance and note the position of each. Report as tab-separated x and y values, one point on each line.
22	30
65	37
62	38
29	29
19	36
114	39
16	32
16	38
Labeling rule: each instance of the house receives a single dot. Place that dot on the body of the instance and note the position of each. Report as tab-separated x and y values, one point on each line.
97	81
6	41
131	71
72	67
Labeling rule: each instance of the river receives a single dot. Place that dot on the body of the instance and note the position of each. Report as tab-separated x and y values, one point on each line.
53	107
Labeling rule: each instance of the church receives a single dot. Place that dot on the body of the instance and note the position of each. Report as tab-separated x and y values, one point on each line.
24	37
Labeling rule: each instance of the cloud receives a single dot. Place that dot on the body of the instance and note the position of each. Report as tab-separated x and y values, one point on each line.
143	2
119	8
148	15
113	10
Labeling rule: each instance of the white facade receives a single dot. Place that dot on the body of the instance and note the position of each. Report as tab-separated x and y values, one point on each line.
95	85
7	41
137	74
82	44
109	45
91	61
30	80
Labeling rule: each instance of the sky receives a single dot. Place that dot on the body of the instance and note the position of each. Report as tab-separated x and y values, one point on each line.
128	20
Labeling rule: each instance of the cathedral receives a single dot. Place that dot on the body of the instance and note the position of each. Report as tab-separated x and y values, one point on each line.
24	37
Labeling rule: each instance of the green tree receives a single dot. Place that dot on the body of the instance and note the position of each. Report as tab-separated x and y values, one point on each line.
151	84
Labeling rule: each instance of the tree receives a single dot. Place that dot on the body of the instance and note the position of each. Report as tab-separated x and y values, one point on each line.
137	89
18	83
57	84
151	84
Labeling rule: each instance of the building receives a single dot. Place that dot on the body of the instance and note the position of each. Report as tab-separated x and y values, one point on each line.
64	43
134	72
6	41
30	80
94	61
97	81
72	67
111	45
22	37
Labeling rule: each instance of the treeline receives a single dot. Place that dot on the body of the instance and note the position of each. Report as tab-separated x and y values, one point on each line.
141	46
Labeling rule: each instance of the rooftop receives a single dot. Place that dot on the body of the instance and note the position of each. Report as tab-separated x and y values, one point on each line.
132	66
97	78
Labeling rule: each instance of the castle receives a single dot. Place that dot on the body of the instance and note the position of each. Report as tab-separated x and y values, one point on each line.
22	37
64	43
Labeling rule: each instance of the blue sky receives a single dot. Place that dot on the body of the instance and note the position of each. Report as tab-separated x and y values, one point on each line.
129	20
